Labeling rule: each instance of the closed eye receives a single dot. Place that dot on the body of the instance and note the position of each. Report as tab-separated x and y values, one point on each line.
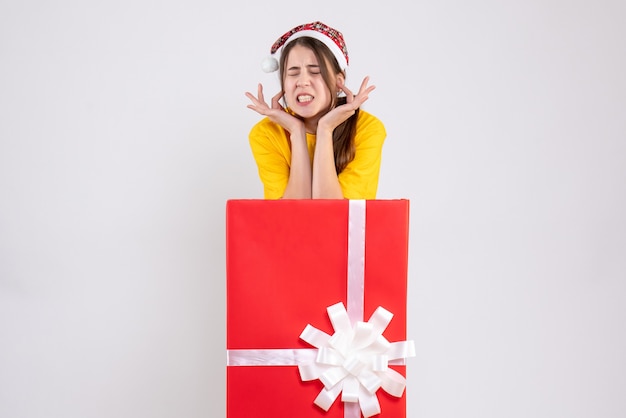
311	69
314	69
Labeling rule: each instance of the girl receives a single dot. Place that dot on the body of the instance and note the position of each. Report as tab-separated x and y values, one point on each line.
320	145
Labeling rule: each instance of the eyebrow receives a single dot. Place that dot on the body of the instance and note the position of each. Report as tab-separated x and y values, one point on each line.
307	66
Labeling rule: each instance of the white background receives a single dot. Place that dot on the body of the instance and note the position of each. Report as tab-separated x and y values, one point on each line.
123	131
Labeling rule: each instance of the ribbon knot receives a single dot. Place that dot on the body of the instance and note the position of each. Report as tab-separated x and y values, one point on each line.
354	362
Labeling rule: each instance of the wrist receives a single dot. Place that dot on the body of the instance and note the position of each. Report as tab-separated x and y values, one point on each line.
297	135
324	130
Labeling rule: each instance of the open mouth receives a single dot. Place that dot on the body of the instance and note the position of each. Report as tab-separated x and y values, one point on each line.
305	98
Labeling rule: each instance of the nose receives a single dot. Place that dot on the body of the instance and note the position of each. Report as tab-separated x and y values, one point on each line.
303	81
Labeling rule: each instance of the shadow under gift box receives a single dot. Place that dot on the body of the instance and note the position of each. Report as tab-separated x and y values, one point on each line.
286	262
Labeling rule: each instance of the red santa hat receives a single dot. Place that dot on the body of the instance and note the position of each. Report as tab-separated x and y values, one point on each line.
332	38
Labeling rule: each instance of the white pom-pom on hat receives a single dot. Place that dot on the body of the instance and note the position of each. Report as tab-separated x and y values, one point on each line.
269	64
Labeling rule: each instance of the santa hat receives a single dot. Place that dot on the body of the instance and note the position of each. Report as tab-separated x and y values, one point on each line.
332	38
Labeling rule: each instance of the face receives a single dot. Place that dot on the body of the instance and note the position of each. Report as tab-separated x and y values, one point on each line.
306	92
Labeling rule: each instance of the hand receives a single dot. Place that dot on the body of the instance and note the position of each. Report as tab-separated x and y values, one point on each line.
276	112
341	113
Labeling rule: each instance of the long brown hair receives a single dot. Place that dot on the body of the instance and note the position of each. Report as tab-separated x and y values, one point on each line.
343	135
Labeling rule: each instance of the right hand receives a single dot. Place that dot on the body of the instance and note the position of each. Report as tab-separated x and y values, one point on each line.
276	112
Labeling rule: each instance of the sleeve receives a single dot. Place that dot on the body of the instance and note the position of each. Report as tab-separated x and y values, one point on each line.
359	180
272	164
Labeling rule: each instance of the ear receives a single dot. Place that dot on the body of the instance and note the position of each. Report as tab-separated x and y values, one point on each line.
341	79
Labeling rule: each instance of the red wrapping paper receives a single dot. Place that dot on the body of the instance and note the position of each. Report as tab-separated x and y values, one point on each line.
286	262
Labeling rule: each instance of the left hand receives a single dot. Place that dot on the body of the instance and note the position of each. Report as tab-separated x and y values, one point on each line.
341	113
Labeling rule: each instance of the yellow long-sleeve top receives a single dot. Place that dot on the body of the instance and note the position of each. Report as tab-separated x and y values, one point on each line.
271	148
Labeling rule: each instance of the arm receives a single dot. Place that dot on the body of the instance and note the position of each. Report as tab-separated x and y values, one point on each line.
299	172
299	183
325	183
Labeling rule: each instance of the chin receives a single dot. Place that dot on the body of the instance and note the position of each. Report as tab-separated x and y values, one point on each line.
308	112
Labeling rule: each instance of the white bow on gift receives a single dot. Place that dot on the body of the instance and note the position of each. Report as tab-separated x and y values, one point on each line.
354	362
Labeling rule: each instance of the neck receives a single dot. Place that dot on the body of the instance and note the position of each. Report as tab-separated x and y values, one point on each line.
310	125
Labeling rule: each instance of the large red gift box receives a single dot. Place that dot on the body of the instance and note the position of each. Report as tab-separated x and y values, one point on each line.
287	261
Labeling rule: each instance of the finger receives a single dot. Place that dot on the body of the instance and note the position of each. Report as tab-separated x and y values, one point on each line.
364	91
257	109
361	98
260	93
254	100
367	91
276	100
364	88
364	83
349	94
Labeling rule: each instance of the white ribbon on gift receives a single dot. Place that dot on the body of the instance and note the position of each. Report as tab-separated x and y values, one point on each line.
353	361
